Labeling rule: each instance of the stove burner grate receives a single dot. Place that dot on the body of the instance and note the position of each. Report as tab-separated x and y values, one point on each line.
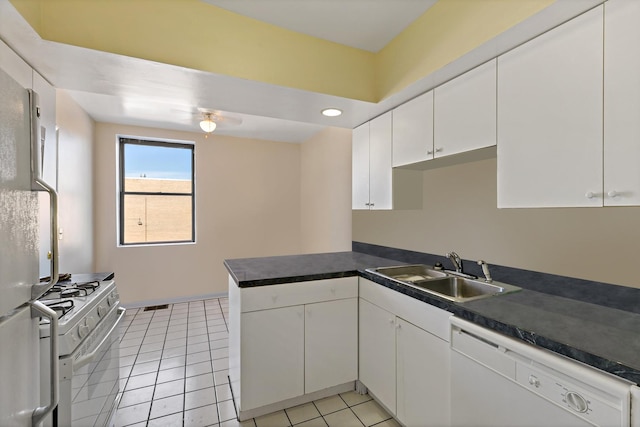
62	307
70	290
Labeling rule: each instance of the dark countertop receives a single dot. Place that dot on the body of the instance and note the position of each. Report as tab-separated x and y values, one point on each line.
603	337
249	272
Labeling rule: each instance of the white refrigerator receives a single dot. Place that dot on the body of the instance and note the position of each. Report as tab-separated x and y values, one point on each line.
20	178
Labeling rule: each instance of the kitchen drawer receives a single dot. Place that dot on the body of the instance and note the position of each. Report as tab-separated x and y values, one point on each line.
421	314
288	294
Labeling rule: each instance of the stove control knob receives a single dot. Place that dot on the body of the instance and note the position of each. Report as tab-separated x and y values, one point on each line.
90	322
112	298
102	310
83	330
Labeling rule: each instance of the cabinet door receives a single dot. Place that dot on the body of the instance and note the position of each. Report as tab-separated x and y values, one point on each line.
47	95
360	167
413	131
272	356
465	112
377	353
423	383
550	117
330	344
380	174
621	104
49	149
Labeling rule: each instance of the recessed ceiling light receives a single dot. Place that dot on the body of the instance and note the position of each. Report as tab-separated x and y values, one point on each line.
331	112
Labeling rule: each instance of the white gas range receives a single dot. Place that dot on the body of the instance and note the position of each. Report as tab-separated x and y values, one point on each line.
88	317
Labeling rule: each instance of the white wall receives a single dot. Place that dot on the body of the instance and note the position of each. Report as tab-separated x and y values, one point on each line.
75	185
247	205
460	214
325	200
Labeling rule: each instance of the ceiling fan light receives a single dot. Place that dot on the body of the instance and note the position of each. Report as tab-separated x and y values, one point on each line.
208	125
331	112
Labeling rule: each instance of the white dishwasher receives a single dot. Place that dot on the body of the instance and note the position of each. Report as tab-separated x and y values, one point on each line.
499	381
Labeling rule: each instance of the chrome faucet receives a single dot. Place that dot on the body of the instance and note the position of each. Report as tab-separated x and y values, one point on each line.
485	270
455	260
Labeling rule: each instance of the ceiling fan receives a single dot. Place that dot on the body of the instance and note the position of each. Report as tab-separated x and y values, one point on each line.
209	120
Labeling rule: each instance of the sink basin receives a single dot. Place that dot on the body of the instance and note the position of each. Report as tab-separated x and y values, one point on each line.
460	289
443	284
410	273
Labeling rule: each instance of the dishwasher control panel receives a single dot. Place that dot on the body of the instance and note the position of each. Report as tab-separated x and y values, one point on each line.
597	407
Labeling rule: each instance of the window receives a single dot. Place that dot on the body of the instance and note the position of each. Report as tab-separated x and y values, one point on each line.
157	192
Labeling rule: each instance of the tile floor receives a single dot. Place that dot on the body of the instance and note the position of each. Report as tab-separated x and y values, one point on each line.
173	372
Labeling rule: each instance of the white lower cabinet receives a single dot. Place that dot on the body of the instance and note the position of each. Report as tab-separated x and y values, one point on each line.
272	355
330	344
423	367
290	343
377	355
404	361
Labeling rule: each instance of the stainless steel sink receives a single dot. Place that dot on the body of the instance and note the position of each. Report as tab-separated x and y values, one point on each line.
443	284
410	273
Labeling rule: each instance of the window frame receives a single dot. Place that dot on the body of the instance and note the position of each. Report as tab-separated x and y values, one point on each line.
130	140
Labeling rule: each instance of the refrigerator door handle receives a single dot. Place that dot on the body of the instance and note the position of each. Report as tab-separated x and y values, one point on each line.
38	185
39	309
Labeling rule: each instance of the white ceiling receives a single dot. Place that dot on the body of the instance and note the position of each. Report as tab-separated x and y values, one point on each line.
363	24
120	89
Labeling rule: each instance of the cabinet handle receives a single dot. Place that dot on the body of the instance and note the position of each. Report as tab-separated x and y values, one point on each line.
372	204
398	326
589	195
612	193
439	150
367	204
429	151
391	321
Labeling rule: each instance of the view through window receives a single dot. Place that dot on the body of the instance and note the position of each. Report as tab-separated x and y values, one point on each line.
157	197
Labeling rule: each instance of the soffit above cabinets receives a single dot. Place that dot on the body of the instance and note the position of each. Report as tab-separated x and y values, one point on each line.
129	90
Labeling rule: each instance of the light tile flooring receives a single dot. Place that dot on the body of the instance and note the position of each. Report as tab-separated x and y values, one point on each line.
173	372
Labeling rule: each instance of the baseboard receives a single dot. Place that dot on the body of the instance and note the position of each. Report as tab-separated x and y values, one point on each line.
139	304
300	400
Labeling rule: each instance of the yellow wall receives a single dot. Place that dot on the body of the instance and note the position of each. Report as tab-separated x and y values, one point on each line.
194	34
445	32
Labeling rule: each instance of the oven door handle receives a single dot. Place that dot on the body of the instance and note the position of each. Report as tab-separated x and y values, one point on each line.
87	358
39	309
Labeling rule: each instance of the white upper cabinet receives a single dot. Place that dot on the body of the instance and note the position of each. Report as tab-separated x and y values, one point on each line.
622	103
360	167
550	108
47	96
413	131
372	186
465	112
380	176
